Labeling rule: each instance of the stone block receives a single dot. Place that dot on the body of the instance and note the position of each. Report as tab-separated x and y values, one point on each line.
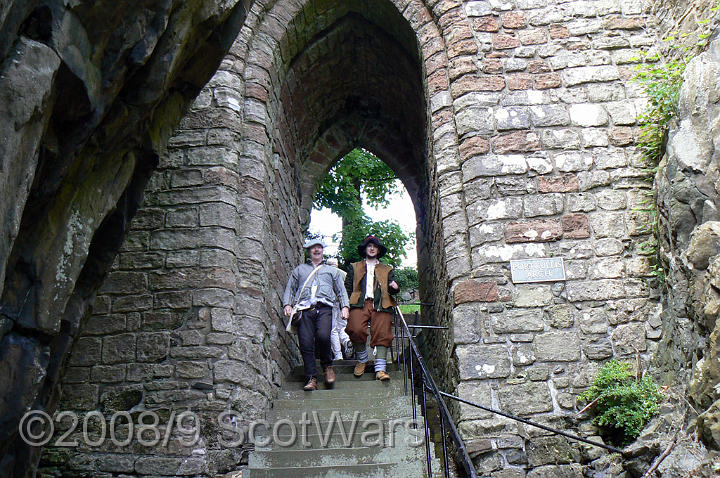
532	295
153	347
514	186
609	246
602	289
588	114
519	81
493	165
598	348
105	325
608	224
486	232
503	253
551	450
583	202
590	74
540	164
512	117
473	146
557	346
557	471
108	373
478	8
573	161
561	139
557	184
549	115
533	231
518	321
525	399
191	370
547	81
593	321
561	316
594	137
233	371
523	354
475	391
118	349
82	396
116	463
467	324
507	208
477	120
629	338
486	24
481	361
575	226
543	205
475	291
125	283
518	142
607	268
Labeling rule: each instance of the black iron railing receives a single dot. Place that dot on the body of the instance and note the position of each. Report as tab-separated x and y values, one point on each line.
411	360
416	372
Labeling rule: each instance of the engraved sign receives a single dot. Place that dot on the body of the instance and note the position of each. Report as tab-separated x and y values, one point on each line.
537	270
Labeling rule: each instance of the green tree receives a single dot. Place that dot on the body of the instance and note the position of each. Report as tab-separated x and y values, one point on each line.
357	176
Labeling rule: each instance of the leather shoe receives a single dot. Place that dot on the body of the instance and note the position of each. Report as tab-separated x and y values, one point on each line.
329	375
359	369
382	375
311	385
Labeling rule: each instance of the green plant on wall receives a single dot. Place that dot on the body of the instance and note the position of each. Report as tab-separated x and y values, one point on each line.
661	79
621	402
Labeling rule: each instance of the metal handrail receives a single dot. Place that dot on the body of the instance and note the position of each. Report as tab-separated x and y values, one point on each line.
428	383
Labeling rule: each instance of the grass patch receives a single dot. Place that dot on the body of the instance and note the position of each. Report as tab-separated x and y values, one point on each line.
409	308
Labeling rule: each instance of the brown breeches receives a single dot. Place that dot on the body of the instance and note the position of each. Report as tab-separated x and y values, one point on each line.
380	325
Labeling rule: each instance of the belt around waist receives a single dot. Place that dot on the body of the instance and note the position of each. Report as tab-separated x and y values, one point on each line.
319	306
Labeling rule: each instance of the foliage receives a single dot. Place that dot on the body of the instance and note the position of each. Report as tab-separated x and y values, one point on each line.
359	173
661	82
359	176
623	403
407	277
389	233
407	309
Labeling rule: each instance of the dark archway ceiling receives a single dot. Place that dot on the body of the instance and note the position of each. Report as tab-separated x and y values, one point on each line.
360	73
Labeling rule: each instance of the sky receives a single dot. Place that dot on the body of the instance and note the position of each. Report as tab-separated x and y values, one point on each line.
400	210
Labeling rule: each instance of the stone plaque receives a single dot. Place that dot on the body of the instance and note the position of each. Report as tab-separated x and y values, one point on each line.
537	270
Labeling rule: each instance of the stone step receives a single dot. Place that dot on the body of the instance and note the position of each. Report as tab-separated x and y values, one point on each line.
362	411
333	401
381	434
344	374
375	470
334	457
354	387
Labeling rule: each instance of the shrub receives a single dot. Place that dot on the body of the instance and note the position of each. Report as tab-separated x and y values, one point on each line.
623	404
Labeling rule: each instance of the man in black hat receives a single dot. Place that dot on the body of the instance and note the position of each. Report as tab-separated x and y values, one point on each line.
370	284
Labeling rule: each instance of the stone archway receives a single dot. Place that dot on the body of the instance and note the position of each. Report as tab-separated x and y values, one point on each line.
190	314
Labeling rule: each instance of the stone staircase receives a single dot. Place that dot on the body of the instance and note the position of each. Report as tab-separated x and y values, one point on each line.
360	428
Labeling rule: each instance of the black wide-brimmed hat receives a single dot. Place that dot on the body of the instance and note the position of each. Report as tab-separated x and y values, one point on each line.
381	249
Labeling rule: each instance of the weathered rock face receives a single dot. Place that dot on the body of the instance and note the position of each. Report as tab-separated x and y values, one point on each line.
89	94
688	200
